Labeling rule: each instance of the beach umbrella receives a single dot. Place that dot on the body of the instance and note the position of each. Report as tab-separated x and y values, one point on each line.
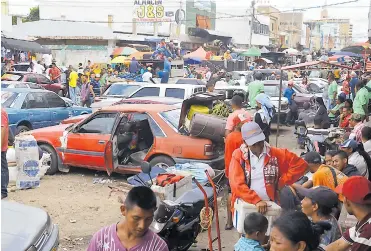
291	51
120	60
123	51
252	52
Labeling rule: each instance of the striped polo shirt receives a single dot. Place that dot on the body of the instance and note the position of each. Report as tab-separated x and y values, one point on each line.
359	236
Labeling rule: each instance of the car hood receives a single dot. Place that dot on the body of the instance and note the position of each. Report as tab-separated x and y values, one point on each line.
21	225
51	129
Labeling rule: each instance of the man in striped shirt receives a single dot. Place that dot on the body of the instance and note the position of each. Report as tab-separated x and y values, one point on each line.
357	193
131	233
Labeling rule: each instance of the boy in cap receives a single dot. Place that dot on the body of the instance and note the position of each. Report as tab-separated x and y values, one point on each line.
350	146
237	107
357	201
257	170
356	123
318	204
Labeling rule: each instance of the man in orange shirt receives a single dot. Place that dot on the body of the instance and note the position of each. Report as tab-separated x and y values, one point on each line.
54	73
257	170
232	142
4	148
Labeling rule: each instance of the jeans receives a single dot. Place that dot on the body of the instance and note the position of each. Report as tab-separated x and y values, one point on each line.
4	175
330	104
291	117
72	91
86	102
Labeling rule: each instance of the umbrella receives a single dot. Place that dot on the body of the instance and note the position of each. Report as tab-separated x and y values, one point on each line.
252	52
264	50
123	51
291	51
119	60
360	48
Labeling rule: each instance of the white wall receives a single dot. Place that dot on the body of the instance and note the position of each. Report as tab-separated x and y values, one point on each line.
122	12
6	23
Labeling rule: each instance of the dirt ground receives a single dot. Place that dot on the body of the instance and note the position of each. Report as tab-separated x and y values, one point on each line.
80	207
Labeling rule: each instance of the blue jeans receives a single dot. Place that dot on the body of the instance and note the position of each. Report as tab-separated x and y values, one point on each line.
4	175
330	104
72	91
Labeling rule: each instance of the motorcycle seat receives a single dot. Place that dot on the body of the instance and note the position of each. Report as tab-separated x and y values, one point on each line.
195	196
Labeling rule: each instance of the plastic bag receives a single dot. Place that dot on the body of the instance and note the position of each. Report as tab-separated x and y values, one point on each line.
196	169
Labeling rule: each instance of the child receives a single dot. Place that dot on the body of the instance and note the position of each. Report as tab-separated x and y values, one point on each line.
255	226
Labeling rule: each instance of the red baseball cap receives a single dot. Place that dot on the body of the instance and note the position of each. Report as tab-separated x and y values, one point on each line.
357	189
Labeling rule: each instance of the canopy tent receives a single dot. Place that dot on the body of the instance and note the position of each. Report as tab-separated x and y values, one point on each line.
359	48
347	53
120	60
123	51
264	50
291	51
263	60
252	52
339	58
23	45
198	55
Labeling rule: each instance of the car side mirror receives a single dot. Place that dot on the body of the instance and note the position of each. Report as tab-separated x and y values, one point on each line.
146	167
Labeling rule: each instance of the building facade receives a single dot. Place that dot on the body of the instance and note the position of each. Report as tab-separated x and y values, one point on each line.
6	18
274	22
291	29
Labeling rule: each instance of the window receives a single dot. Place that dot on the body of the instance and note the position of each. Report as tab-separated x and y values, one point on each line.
34	101
8	98
175	93
156	130
54	100
31	78
101	123
43	79
147	92
172	117
121	90
272	90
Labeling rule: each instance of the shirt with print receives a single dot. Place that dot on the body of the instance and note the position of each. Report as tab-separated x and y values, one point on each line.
246	244
356	133
360	100
230	124
332	89
106	239
359	236
5	125
329	236
324	177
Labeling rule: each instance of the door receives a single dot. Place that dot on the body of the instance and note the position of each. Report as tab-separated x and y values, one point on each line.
36	110
147	92
48	84
87	142
58	108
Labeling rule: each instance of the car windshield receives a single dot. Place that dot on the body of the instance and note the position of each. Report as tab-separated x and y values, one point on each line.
172	117
272	90
315	74
301	89
8	98
121	90
11	77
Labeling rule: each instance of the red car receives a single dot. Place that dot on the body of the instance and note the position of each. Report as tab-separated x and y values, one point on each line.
36	78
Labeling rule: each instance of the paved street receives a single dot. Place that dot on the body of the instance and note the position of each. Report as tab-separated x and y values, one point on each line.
80	207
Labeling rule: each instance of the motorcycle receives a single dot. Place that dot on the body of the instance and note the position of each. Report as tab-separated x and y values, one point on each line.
178	222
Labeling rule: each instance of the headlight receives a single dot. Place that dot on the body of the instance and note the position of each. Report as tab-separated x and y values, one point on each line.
157	227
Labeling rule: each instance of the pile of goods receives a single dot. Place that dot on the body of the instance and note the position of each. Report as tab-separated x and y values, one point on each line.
131	77
221	109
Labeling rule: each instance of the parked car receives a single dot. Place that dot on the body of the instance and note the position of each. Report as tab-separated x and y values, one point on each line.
32	108
190	81
181	91
27	228
21	66
242	77
100	141
302	95
39	79
18	84
268	72
142	100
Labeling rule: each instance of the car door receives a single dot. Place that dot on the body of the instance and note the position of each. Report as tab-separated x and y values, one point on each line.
59	109
86	143
147	92
47	84
37	110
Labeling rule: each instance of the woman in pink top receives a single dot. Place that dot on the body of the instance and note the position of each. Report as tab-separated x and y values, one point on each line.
237	102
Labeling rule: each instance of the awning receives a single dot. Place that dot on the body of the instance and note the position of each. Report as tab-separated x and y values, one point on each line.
23	45
210	35
265	60
306	64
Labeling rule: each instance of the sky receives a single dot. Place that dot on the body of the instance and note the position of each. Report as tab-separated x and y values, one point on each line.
357	11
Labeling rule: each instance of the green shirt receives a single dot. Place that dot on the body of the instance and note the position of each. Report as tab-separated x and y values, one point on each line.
332	89
254	89
336	108
369	85
360	100
103	80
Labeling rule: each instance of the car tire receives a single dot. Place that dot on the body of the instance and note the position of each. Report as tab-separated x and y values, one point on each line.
162	161
53	169
22	128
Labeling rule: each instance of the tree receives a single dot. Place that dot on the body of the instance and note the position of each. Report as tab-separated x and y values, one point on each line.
33	16
14	20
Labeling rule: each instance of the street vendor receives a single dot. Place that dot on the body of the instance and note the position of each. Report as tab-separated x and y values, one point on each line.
257	170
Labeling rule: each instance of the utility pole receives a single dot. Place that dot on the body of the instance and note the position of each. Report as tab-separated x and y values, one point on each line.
252	20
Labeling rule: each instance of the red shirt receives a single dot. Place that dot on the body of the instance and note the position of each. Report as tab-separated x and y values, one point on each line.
345	122
54	73
5	125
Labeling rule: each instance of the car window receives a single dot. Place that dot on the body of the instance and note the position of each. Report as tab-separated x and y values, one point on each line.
147	92
175	93
272	90
172	117
314	88
8	98
121	89
156	130
54	100
34	100
31	78
101	123
35	86
43	79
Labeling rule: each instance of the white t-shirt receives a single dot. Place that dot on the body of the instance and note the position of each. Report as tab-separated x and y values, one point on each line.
38	68
47	59
208	75
257	175
146	76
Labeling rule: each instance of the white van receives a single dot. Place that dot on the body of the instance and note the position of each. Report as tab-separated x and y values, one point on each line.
181	91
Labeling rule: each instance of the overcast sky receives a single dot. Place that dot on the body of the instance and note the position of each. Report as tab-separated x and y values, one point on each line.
357	12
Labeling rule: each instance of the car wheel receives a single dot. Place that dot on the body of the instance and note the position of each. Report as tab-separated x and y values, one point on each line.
53	165
60	93
162	161
22	128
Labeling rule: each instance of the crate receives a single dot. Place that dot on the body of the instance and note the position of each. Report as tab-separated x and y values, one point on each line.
173	191
242	208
